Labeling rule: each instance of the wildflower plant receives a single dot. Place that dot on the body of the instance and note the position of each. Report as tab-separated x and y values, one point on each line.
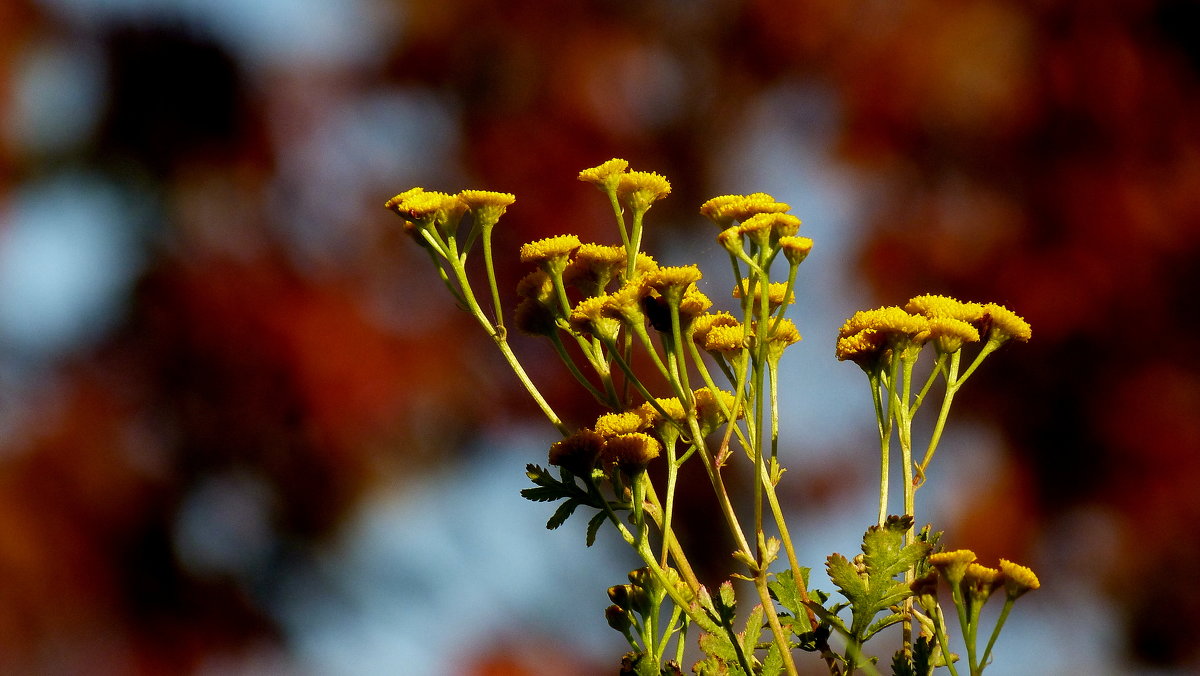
709	395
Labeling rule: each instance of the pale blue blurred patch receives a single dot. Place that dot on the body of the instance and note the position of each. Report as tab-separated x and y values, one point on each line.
68	257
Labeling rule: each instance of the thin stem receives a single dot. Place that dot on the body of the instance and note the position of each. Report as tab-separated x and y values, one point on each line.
987	653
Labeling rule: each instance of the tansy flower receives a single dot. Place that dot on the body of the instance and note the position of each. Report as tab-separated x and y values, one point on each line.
711	410
693	304
625	422
795	249
979	581
534	318
726	340
669	405
672	281
549	249
774	293
863	348
640	189
785	334
577	453
625	303
1018	579
704	323
762	226
730	239
948	334
726	209
1004	324
952	565
536	285
607	175
588	318
593	266
487	206
932	305
631	452
889	320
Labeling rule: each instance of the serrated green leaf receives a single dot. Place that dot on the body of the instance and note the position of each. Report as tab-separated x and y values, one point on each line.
882	624
753	631
773	664
783	590
593	527
543	493
719	647
845	575
560	516
726	602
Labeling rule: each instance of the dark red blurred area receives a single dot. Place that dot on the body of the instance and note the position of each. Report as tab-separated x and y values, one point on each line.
1041	154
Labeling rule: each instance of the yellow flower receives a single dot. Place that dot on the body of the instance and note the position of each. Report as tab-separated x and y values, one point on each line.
727	340
863	348
577	453
726	209
774	293
785	334
535	318
593	266
932	305
795	249
607	175
949	334
487	206
952	565
710	408
693	304
395	203
979	581
536	285
776	223
1005	324
730	239
625	303
1018	579
640	189
631	452
588	318
704	323
612	424
669	405
892	321
549	249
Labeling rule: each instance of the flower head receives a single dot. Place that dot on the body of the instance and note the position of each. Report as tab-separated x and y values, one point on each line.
948	334
932	305
607	175
795	249
613	424
577	453
593	266
864	348
640	189
1018	579
705	323
588	318
535	318
785	334
1004	324
952	565
487	206
727	209
775	293
979	581
631	452
552	253
671	281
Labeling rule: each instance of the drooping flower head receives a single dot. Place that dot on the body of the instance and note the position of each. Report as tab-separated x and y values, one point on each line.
1018	579
1003	324
577	453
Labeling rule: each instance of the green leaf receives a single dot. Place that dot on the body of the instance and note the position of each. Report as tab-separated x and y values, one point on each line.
845	575
882	624
773	664
593	527
543	493
753	631
726	602
783	590
560	516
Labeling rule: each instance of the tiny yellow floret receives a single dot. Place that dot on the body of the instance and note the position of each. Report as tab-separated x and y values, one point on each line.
952	565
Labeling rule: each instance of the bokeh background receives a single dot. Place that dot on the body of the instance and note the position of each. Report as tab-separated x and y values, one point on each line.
243	431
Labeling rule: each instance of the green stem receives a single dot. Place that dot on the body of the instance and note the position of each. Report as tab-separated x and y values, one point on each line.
987	653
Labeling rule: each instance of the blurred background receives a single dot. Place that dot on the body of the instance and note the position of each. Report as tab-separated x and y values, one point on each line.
243	431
